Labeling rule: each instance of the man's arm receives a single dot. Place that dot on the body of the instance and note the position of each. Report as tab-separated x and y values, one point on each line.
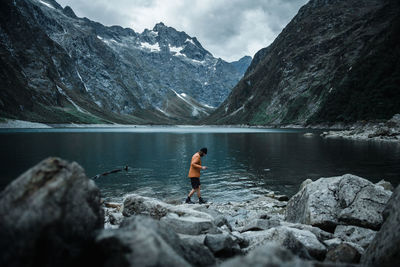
196	163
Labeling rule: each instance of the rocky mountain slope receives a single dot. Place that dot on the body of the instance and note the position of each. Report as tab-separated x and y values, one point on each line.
336	61
56	67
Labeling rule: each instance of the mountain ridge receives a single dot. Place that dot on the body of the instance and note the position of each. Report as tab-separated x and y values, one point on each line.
112	74
316	71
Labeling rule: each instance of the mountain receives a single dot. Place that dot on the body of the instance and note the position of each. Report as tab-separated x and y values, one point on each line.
242	64
58	68
336	61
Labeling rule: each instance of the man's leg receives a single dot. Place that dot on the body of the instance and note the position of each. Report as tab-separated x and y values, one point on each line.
198	191
191	193
201	201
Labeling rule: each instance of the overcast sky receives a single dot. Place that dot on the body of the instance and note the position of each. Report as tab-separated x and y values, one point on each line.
229	29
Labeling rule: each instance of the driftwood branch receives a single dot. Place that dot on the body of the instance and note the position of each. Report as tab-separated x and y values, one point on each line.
109	172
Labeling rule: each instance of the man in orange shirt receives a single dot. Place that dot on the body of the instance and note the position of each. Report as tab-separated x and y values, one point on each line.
194	174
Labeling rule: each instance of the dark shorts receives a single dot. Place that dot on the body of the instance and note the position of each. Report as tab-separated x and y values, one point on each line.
195	182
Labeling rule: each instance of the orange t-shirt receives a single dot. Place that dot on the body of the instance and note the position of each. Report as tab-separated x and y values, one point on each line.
195	166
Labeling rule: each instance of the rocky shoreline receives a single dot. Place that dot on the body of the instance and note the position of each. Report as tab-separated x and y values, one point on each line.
53	215
385	131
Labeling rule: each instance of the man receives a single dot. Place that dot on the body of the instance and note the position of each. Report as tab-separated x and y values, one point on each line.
194	175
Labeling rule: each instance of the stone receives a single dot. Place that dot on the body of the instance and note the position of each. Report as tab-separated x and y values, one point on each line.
189	225
386	185
49	215
222	245
238	214
260	224
284	235
333	242
384	249
238	238
219	219
347	199
193	238
113	205
112	218
267	255
281	197
320	234
304	183
355	234
135	204
143	241
394	121
343	253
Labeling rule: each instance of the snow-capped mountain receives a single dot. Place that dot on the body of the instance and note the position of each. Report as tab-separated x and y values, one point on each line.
57	67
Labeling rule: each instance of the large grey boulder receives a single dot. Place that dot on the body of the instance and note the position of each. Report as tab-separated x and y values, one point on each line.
260	224
49	216
222	245
135	204
219	218
355	234
142	241
384	249
294	239
343	253
346	199
320	234
189	225
268	255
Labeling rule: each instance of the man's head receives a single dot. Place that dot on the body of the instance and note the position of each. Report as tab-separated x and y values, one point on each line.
203	151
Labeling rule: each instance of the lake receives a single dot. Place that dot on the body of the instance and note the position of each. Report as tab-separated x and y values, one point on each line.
242	162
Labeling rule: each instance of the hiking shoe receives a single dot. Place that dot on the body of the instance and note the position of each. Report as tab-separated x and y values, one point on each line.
188	201
202	201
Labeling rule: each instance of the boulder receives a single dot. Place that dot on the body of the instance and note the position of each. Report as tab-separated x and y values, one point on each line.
193	238
386	185
260	224
304	183
267	255
355	234
348	199
238	214
384	249
320	234
219	219
189	225
135	204
343	253
222	245
113	218
284	235
394	122
142	241
333	242
281	197
49	216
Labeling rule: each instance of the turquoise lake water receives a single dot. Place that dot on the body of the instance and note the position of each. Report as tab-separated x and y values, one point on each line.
242	162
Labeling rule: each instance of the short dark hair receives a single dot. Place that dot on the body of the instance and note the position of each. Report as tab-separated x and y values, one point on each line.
204	150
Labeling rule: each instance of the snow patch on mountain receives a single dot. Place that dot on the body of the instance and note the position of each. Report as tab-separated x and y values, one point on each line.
190	41
46	4
152	47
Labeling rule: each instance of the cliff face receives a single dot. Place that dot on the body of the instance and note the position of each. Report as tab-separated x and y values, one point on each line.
336	61
56	67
